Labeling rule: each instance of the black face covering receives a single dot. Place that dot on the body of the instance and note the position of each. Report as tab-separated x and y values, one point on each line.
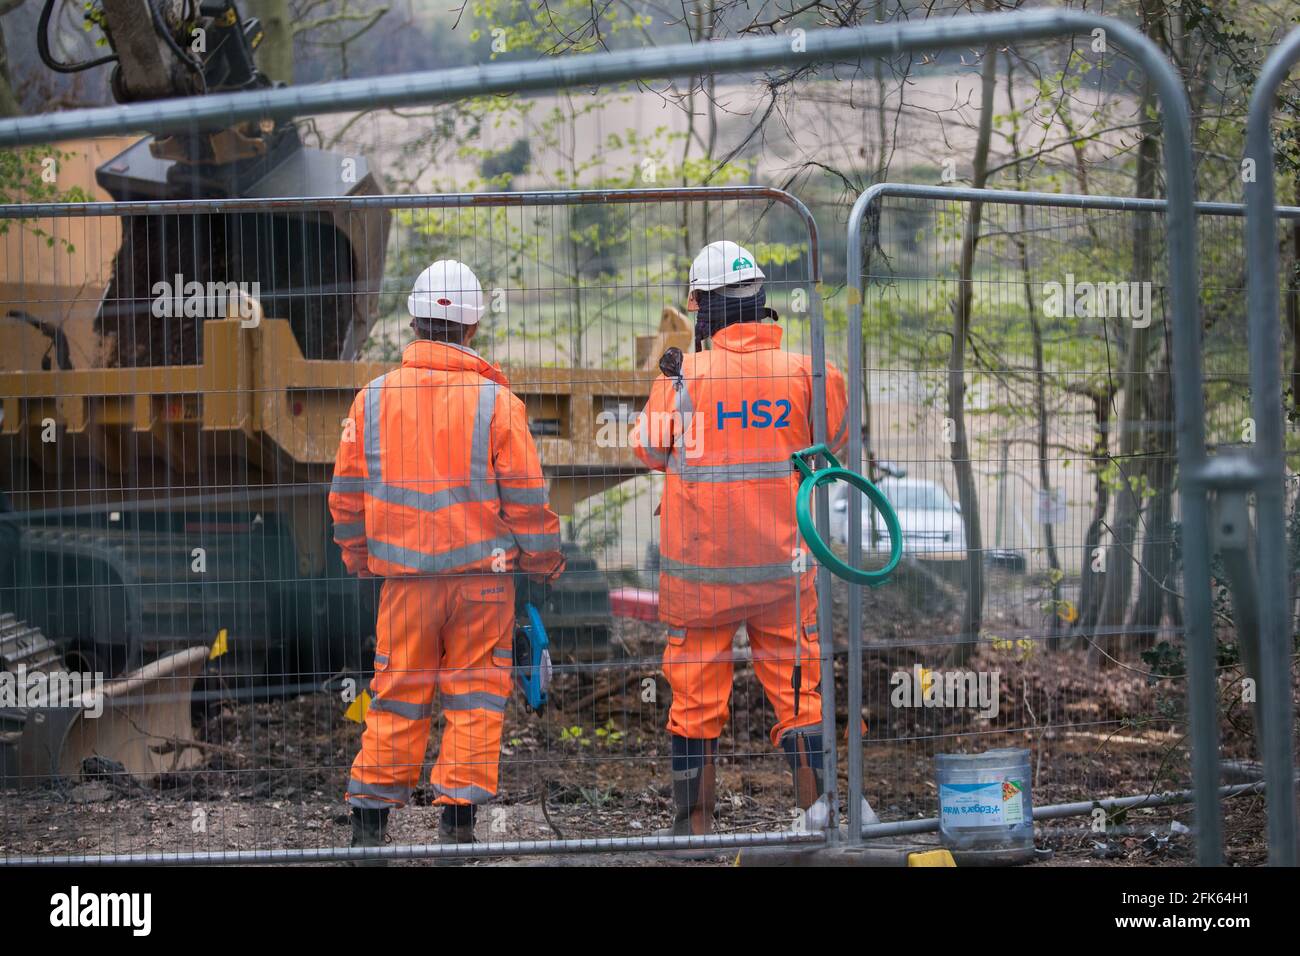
717	311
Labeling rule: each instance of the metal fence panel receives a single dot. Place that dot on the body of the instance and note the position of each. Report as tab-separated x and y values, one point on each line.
168	469
1049	453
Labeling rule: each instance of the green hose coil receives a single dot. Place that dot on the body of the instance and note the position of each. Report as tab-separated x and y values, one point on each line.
812	480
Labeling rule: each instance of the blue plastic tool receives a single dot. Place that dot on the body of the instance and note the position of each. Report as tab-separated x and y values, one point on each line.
532	658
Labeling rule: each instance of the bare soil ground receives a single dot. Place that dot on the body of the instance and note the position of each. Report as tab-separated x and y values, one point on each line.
594	764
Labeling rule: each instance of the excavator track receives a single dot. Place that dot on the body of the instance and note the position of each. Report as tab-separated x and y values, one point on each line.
23	650
23	645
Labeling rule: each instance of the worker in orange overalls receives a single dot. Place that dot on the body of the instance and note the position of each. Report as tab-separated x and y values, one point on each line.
438	489
723	427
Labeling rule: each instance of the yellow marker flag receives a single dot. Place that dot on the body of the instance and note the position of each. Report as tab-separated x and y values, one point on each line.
356	711
220	645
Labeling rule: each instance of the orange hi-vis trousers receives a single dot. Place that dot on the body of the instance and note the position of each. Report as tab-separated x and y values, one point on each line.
699	664
451	635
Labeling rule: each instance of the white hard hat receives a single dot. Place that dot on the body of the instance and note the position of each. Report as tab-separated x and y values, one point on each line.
724	263
447	290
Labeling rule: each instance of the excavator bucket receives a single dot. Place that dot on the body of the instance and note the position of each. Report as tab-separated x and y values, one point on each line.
140	721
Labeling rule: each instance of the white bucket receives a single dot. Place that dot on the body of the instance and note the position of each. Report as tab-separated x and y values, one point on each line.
984	800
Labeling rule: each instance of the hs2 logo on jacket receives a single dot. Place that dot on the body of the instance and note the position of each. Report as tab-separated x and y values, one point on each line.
756	414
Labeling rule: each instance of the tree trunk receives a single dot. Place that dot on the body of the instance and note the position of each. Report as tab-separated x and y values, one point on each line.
1089	589
963	471
1157	549
1040	375
1128	502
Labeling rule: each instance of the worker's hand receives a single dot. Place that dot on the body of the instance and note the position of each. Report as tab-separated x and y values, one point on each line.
557	571
528	591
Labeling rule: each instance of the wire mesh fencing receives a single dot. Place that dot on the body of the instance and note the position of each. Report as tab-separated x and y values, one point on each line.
177	376
177	380
1020	417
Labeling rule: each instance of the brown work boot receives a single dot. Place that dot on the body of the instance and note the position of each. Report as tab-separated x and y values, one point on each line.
803	750
695	786
456	826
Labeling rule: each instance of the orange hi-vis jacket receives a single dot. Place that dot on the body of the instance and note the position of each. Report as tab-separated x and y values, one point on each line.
724	434
441	474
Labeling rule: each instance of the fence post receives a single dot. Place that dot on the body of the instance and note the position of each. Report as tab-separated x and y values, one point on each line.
1268	462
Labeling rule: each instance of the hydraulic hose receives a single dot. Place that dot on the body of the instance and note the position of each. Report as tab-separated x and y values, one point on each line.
812	480
47	57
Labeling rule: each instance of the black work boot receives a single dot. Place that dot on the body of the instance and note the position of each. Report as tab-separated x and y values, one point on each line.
803	751
695	782
369	828
456	826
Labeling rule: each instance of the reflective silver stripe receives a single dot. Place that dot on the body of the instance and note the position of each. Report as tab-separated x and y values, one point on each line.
381	658
810	629
522	496
660	458
376	796
749	574
374	394
347	486
677	631
369	803
643	439
464	348
471	793
445	561
538	542
402	708
474	700
484	490
349	530
839	435
502	654
685	408
480	490
688	774
682	402
744	471
480	449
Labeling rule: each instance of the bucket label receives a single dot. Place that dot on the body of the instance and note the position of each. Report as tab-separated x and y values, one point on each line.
964	805
1013	802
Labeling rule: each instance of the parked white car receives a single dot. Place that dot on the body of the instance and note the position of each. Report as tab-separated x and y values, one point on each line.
929	519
